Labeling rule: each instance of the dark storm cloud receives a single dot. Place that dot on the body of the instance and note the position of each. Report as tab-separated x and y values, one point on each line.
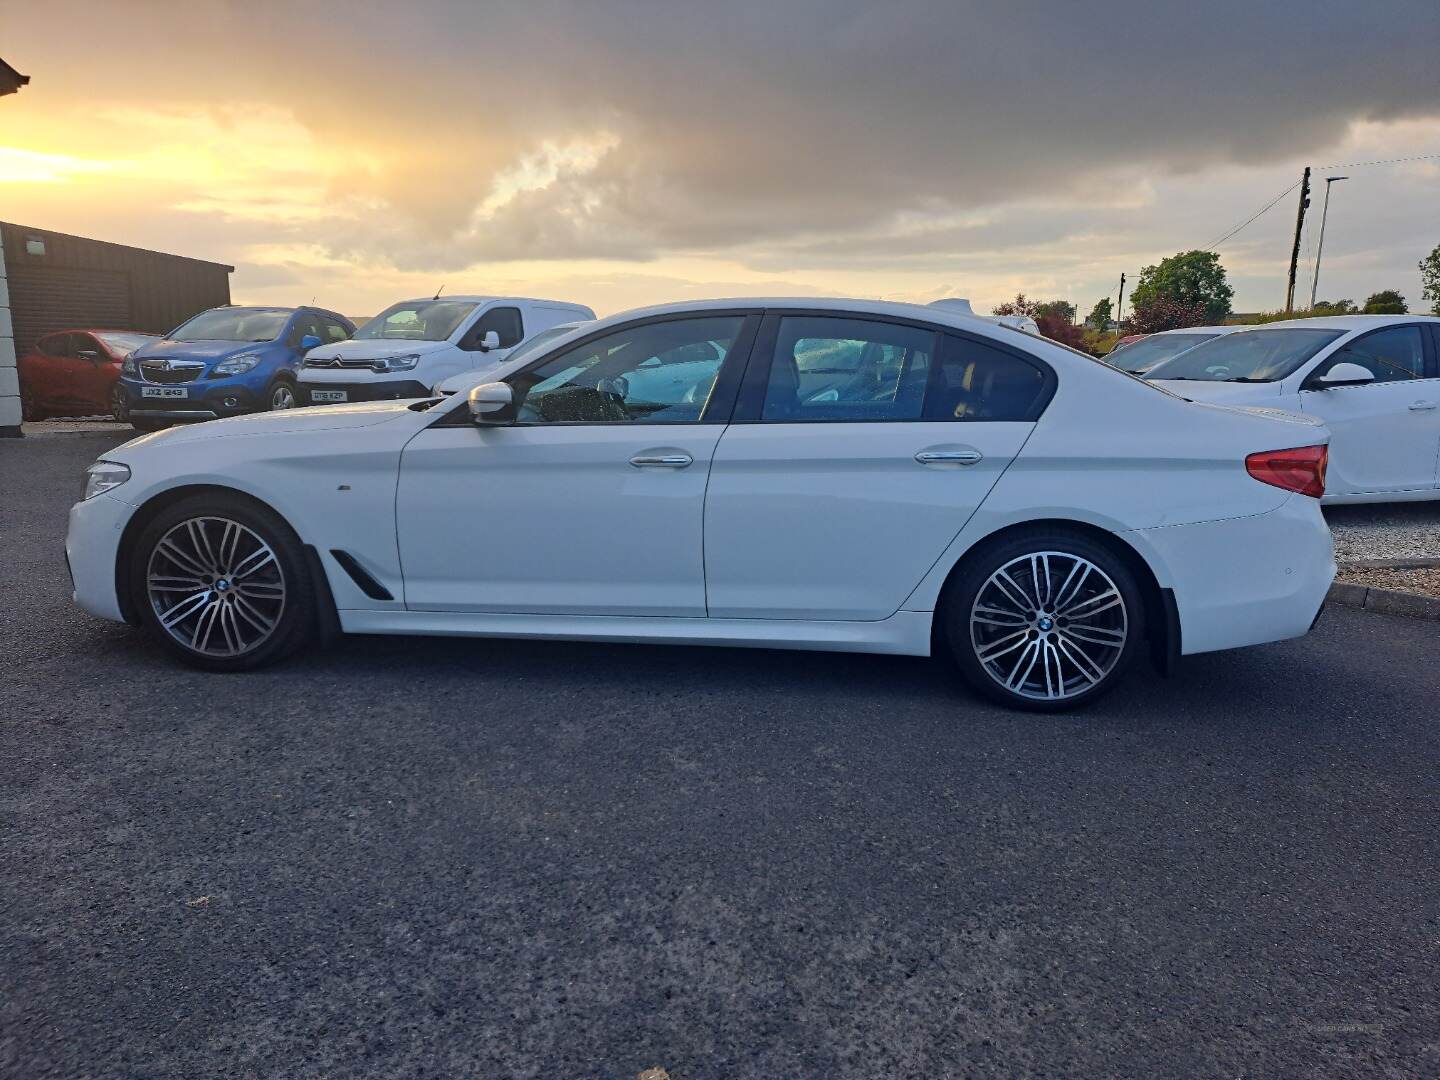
741	123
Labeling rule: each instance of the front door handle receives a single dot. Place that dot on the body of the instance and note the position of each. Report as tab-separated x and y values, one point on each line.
1421	406
661	461
948	457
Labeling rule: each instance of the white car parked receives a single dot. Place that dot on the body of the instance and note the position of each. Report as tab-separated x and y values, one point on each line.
1140	356
1373	379
807	474
412	346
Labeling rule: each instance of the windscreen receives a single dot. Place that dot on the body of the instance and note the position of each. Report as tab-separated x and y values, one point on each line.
416	320
1141	356
1249	356
234	324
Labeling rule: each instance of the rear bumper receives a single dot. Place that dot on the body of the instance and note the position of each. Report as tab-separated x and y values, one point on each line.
1244	581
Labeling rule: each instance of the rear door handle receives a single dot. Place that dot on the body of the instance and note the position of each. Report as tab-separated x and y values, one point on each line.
948	457
1421	406
661	461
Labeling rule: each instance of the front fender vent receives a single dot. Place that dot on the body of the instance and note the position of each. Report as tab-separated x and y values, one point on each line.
362	577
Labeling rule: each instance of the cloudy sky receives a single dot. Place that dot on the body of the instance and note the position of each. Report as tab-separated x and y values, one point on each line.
619	153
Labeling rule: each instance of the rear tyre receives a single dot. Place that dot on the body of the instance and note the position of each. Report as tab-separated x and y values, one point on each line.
120	404
281	395
223	584
30	409
1044	621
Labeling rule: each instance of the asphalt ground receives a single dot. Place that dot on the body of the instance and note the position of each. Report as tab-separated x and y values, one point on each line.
449	858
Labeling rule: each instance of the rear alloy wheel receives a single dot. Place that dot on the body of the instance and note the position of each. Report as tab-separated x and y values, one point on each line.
282	395
120	404
223	584
1045	623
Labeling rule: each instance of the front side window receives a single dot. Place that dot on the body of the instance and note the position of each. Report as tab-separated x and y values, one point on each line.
656	373
54	345
333	331
234	324
417	320
305	325
1246	356
1392	355
505	321
827	368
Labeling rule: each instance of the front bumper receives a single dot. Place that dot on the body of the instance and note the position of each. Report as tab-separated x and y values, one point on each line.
205	399
92	544
1245	581
366	390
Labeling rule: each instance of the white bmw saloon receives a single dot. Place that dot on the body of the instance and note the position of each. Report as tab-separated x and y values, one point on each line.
802	474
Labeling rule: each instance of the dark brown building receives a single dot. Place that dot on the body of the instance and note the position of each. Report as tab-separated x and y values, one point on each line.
60	282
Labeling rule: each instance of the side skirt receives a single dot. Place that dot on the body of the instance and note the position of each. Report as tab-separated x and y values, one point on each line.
906	633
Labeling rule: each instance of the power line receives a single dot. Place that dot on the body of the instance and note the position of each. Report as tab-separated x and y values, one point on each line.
1383	161
1226	236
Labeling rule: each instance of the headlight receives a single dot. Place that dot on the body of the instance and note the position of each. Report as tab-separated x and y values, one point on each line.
104	475
129	367
395	363
236	365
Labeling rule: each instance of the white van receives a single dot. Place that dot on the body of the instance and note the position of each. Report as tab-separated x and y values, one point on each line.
412	346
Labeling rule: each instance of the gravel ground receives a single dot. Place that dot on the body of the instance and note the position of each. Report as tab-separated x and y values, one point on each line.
446	858
1386	530
1425	581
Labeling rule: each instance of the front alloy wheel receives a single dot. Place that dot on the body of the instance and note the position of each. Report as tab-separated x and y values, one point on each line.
282	396
120	404
1045	624
223	583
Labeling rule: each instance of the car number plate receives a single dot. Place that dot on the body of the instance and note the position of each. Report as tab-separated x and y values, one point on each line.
164	391
329	395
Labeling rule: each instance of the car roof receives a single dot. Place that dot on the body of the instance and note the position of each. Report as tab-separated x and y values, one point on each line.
1226	329
1347	322
919	312
476	299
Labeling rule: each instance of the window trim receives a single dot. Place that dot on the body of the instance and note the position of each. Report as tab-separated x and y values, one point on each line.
1308	383
722	395
750	405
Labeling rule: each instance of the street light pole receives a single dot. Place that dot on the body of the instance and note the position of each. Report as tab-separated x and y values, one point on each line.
1320	243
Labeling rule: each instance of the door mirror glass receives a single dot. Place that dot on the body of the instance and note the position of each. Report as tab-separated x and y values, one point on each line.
308	342
1345	374
492	403
490	340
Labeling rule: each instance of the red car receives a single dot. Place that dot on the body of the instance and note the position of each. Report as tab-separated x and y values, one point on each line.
73	372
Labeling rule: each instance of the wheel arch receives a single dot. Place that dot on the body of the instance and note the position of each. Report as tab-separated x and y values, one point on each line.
1162	622
157	504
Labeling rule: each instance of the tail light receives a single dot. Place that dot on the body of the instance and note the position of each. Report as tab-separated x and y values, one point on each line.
1301	470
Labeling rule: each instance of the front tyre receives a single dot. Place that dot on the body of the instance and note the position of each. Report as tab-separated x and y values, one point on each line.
281	395
223	584
120	404
1044	621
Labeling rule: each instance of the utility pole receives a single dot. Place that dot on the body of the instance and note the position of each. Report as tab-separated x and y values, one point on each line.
1320	244
1295	250
1120	307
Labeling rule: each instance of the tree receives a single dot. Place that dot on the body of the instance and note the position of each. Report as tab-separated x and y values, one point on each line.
1188	278
1100	314
1430	276
1152	314
1054	318
1021	305
1060	309
1386	302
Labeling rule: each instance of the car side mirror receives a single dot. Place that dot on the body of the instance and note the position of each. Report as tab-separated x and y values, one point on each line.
491	340
492	404
1345	374
308	342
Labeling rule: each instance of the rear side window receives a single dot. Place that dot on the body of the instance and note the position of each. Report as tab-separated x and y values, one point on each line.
977	381
54	345
847	369
505	321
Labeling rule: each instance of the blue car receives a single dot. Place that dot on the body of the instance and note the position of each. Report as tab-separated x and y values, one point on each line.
223	362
